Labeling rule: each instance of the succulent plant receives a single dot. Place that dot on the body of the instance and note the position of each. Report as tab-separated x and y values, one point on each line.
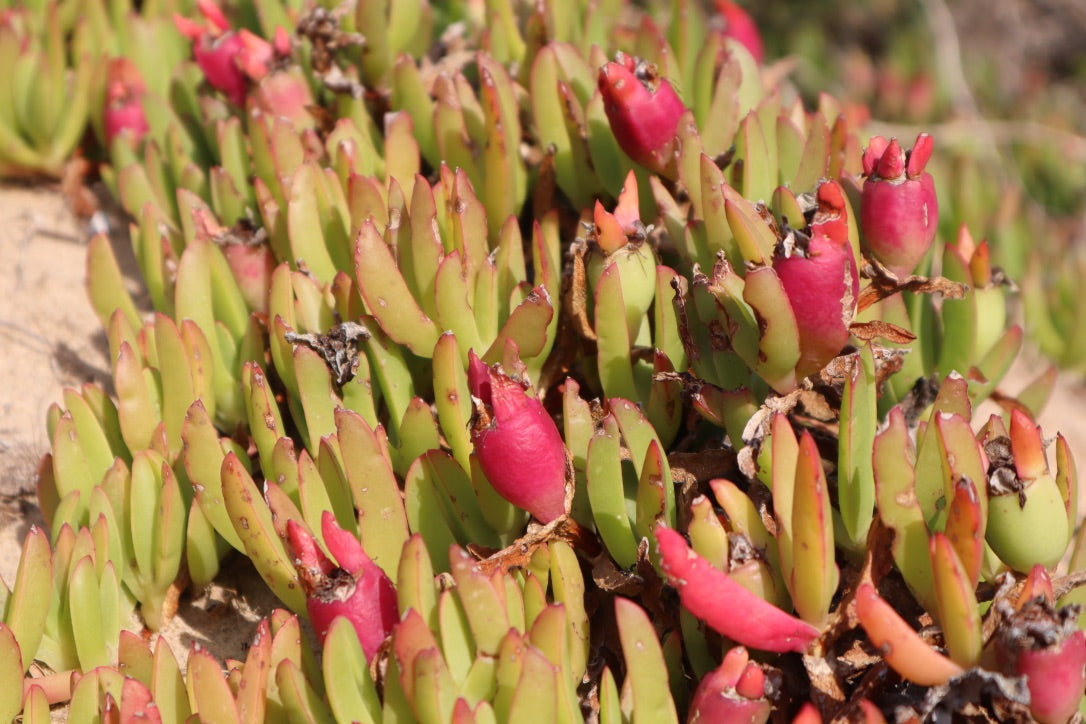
544	386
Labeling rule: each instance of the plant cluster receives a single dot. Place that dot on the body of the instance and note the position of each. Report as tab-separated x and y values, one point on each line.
554	361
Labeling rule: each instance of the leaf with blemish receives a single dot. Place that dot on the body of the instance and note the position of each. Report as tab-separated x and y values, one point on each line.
606	494
901	647
778	345
318	396
528	325
387	296
483	602
895	492
265	420
382	521
961	457
652	494
452	302
253	522
203	458
753	236
958	613
965	528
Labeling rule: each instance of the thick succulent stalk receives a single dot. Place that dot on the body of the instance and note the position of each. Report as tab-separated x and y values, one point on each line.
820	279
517	443
899	212
357	588
644	111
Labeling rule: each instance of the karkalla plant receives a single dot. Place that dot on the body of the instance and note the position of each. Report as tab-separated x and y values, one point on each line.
549	366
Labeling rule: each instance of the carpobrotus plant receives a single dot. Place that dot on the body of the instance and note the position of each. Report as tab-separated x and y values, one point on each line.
538	360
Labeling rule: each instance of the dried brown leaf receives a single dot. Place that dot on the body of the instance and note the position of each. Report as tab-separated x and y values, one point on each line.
885	283
868	331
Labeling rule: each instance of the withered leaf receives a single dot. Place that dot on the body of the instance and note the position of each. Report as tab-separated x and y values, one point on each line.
876	328
885	283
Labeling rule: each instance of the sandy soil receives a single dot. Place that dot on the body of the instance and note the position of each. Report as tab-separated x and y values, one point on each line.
52	340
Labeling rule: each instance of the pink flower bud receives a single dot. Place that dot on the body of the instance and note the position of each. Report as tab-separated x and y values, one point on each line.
899	212
124	107
739	25
733	692
820	280
517	443
1047	647
229	59
357	588
644	111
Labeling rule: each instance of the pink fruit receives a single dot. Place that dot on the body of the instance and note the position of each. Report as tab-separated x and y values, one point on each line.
899	211
357	589
517	443
644	111
821	282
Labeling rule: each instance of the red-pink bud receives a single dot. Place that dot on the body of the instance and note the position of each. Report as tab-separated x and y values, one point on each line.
739	25
1047	647
821	282
644	111
517	443
229	59
899	211
357	589
124	105
711	595
218	59
719	697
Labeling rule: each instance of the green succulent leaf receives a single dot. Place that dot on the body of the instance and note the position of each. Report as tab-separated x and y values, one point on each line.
645	668
253	522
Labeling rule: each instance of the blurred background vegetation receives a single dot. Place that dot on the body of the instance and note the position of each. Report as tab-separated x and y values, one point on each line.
1002	87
